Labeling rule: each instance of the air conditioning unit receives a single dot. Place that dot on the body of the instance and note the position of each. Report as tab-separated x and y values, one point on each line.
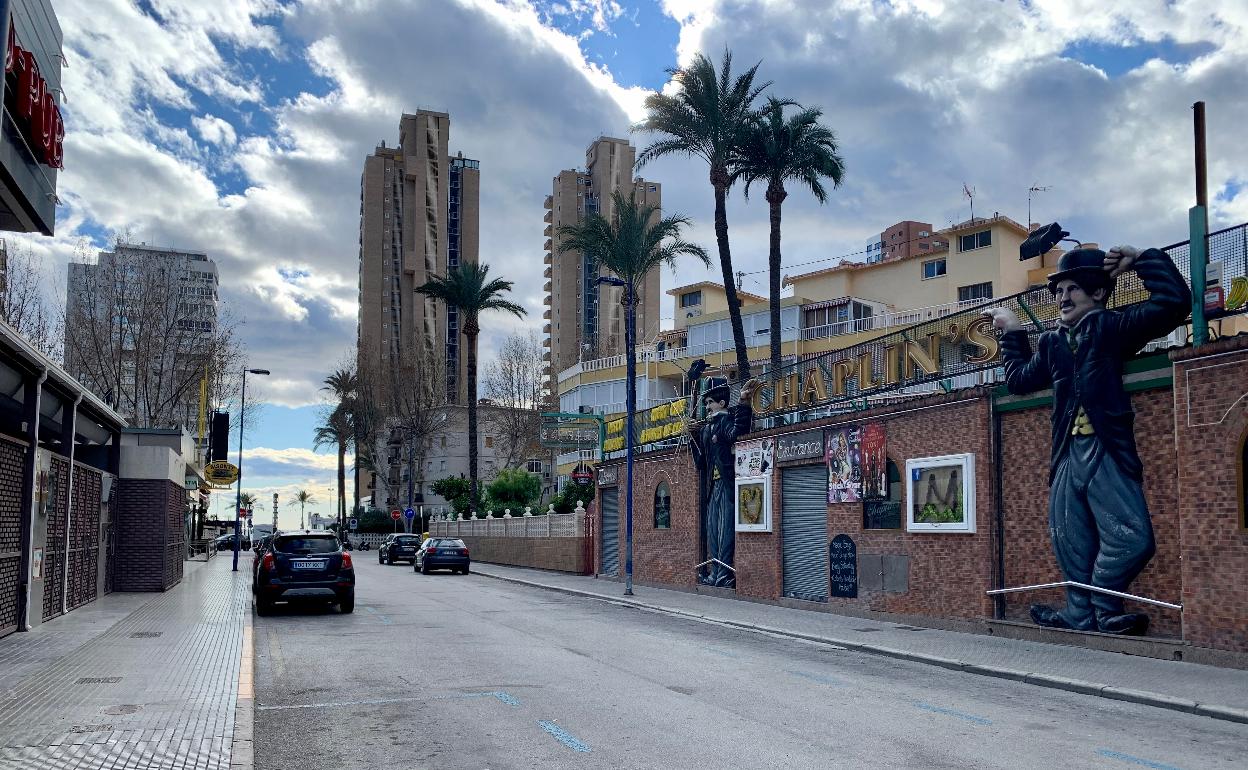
584	409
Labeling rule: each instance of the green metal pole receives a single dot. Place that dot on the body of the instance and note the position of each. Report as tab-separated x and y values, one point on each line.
1197	251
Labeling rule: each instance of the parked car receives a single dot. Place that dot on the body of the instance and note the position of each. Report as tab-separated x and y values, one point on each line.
226	542
399	548
442	553
304	565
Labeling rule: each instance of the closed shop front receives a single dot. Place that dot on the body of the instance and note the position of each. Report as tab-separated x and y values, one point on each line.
610	531
804	527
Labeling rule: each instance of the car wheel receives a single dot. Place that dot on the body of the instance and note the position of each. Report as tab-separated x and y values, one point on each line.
424	568
379	561
264	607
465	570
346	603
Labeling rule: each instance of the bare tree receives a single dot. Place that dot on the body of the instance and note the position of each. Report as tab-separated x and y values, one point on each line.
23	304
513	383
142	329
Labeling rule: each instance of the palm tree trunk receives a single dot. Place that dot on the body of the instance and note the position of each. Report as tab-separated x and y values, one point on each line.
342	486
470	331
775	199
719	180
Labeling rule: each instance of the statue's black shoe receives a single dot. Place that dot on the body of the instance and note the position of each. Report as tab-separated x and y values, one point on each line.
1129	624
1046	616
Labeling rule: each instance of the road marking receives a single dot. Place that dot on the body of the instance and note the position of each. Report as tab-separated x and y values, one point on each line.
504	697
564	737
725	653
385	621
246	668
952	713
1135	760
510	700
820	678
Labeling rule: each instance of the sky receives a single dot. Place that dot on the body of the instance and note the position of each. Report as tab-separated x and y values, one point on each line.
240	127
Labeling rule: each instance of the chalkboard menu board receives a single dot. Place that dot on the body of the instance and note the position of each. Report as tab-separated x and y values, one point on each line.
843	563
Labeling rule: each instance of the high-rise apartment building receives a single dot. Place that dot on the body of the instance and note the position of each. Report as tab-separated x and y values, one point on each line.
585	320
419	216
141	330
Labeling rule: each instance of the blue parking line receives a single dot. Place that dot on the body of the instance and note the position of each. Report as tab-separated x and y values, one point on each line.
820	678
1135	760
385	621
564	737
952	713
507	698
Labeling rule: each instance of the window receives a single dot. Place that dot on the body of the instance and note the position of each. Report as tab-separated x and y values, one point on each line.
691	299
975	240
933	268
885	513
975	291
489	442
924	246
662	506
534	466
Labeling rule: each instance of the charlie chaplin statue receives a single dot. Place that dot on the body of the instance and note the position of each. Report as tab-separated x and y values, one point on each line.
1098	519
712	442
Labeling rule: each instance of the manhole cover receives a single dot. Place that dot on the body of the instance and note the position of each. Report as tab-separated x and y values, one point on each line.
91	729
98	680
145	634
124	708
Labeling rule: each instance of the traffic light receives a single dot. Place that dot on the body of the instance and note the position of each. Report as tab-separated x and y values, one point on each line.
219	437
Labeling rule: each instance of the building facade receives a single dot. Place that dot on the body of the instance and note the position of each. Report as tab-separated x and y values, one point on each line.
419	217
142	330
585	320
33	132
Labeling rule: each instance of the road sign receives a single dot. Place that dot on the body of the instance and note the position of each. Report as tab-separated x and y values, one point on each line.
583	475
409	514
221	473
353	523
396	514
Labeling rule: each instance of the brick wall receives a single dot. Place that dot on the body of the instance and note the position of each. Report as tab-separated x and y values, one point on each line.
149	550
1029	560
1211	426
565	554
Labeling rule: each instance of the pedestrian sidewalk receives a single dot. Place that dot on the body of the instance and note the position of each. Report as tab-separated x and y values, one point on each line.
132	680
1211	691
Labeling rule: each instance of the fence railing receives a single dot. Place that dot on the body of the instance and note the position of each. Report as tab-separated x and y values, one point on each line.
545	525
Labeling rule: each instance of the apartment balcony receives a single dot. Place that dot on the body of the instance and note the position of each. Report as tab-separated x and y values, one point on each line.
548	217
547	273
546	313
546	331
546	287
549	203
546	356
547	246
887	320
548	231
548	259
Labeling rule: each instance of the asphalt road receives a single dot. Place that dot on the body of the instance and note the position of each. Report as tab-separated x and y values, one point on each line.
450	671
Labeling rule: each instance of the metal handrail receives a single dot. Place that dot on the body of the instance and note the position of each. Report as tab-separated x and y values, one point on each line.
1086	587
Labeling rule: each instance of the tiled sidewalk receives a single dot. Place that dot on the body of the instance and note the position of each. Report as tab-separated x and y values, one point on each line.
156	689
1208	690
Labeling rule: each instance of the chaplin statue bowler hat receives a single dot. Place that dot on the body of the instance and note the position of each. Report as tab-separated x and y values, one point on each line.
1086	265
717	389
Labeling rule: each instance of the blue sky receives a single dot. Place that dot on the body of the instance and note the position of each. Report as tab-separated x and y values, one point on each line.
240	127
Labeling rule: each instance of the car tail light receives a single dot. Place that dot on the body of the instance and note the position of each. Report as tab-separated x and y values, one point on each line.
267	562
432	552
346	560
464	552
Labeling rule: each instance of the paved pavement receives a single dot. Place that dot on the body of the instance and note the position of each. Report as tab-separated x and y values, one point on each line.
1218	692
454	671
131	681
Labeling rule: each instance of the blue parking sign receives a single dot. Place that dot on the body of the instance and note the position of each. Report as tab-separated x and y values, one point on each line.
409	513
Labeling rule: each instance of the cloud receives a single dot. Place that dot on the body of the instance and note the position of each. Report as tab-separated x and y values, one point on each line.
214	130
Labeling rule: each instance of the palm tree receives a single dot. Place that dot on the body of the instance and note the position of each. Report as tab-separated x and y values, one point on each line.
336	431
303	497
246	500
342	385
709	117
468	288
637	242
777	150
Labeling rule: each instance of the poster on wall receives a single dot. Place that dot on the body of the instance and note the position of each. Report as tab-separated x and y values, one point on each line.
754	463
940	494
874	462
843	452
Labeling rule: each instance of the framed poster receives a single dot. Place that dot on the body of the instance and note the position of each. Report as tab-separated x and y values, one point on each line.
940	494
874	462
752	492
843	454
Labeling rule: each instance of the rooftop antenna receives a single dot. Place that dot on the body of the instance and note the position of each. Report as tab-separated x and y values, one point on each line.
969	192
1035	188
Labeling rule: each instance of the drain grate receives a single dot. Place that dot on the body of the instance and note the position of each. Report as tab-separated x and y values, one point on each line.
909	628
98	680
91	729
122	709
145	634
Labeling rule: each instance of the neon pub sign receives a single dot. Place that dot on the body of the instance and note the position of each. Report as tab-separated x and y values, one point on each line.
876	368
31	104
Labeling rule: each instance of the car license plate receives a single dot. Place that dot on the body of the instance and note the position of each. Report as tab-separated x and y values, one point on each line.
316	564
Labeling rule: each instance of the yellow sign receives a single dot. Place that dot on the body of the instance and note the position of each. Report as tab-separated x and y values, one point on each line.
221	473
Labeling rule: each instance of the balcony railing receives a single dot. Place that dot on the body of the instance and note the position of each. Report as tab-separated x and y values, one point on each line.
888	319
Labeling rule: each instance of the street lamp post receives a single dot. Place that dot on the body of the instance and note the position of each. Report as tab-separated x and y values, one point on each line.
238	499
629	301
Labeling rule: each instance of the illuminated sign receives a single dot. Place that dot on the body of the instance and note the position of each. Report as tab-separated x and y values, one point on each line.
31	103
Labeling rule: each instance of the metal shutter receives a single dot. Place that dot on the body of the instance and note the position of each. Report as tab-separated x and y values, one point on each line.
610	532
804	521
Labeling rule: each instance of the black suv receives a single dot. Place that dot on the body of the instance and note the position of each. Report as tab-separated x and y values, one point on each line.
304	565
399	548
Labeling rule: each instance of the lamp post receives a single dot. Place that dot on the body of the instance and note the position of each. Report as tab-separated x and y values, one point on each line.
629	301
238	498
